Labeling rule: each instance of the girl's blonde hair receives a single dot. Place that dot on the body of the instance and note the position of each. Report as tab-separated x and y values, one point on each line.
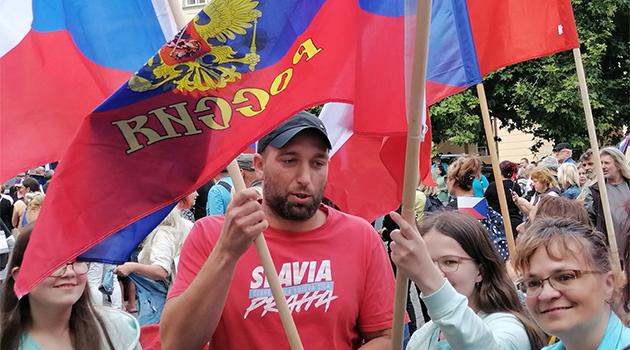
34	200
544	176
568	175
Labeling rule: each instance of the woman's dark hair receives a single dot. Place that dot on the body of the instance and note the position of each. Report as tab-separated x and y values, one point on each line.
508	169
495	292
31	183
463	171
86	326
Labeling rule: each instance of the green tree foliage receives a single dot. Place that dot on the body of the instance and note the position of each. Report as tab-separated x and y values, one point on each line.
541	96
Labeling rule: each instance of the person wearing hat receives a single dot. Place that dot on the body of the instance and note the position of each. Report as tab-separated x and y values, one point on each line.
563	153
331	265
246	164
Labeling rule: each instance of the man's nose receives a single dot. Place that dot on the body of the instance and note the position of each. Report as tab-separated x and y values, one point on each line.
304	174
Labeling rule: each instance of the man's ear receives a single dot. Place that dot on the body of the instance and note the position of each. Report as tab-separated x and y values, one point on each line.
259	164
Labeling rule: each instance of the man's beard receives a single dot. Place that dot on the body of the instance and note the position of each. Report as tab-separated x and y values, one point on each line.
288	210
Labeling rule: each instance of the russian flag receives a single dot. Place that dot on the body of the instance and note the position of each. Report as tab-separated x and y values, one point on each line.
58	60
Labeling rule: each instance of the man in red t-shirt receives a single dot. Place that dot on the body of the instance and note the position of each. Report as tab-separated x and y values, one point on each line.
332	266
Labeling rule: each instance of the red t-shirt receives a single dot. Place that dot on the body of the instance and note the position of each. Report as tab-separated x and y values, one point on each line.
337	278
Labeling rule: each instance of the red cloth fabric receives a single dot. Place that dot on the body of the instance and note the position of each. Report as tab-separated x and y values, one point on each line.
508	32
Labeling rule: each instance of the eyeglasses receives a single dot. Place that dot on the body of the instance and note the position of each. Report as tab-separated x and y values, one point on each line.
79	267
560	281
450	263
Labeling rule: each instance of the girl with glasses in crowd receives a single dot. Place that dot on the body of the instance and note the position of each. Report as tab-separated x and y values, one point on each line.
464	284
569	284
58	314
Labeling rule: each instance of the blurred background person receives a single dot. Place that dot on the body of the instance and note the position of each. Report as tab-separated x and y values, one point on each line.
556	207
185	206
508	174
563	153
33	202
617	177
156	268
569	181
544	184
27	185
461	174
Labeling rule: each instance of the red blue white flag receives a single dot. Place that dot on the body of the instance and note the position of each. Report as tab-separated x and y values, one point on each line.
468	40
475	206
58	60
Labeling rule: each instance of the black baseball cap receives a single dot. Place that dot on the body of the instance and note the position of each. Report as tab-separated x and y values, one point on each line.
562	145
283	133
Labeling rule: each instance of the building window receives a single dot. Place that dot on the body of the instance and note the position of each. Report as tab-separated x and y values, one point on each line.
194	3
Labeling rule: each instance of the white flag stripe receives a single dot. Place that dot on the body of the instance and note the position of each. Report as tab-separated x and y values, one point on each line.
16	17
165	17
337	117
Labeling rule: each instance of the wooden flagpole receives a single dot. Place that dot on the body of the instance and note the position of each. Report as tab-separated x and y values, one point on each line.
590	124
261	245
270	271
494	158
415	114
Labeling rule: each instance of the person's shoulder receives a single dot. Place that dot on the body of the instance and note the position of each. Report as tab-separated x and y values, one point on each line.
123	329
337	216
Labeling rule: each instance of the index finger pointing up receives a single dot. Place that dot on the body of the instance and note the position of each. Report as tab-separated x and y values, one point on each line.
406	229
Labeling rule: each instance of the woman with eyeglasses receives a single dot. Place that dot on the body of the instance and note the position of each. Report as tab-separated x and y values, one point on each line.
569	284
58	314
464	284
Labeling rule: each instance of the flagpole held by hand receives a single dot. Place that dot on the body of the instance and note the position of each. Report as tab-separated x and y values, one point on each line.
415	113
270	271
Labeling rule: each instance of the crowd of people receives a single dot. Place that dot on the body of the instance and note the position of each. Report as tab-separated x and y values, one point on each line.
198	275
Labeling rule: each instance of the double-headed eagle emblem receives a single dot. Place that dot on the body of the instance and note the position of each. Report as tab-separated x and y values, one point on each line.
199	58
